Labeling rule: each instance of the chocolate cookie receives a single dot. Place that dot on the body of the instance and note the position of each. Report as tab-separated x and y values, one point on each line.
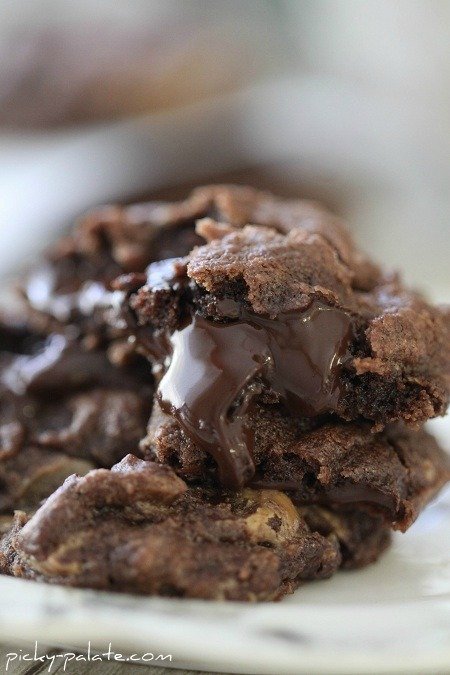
261	371
139	528
73	285
394	472
94	428
285	309
63	409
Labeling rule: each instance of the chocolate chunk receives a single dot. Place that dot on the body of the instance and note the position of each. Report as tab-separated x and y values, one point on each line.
213	365
139	528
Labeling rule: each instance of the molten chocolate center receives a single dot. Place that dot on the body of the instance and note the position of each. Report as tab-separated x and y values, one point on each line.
212	375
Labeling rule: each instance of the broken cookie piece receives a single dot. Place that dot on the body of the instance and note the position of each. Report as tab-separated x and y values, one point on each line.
279	312
139	528
395	472
73	286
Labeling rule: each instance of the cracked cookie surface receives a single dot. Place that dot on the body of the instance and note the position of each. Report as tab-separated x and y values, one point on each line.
139	528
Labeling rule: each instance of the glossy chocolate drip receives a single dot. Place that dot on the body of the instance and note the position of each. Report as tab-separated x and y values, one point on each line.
55	364
64	305
211	365
59	364
211	378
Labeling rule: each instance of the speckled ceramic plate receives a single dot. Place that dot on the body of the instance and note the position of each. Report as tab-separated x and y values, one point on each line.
392	617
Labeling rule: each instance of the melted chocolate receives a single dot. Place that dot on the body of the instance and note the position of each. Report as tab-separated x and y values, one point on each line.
74	286
59	364
55	364
211	378
83	300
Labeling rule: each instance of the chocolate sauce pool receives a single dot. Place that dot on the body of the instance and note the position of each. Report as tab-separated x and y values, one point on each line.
210	382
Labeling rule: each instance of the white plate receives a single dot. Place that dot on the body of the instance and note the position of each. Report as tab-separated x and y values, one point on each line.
392	617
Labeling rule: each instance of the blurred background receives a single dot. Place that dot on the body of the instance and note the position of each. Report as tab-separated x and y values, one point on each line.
347	101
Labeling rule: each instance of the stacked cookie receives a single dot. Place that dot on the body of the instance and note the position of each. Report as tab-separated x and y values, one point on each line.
235	393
